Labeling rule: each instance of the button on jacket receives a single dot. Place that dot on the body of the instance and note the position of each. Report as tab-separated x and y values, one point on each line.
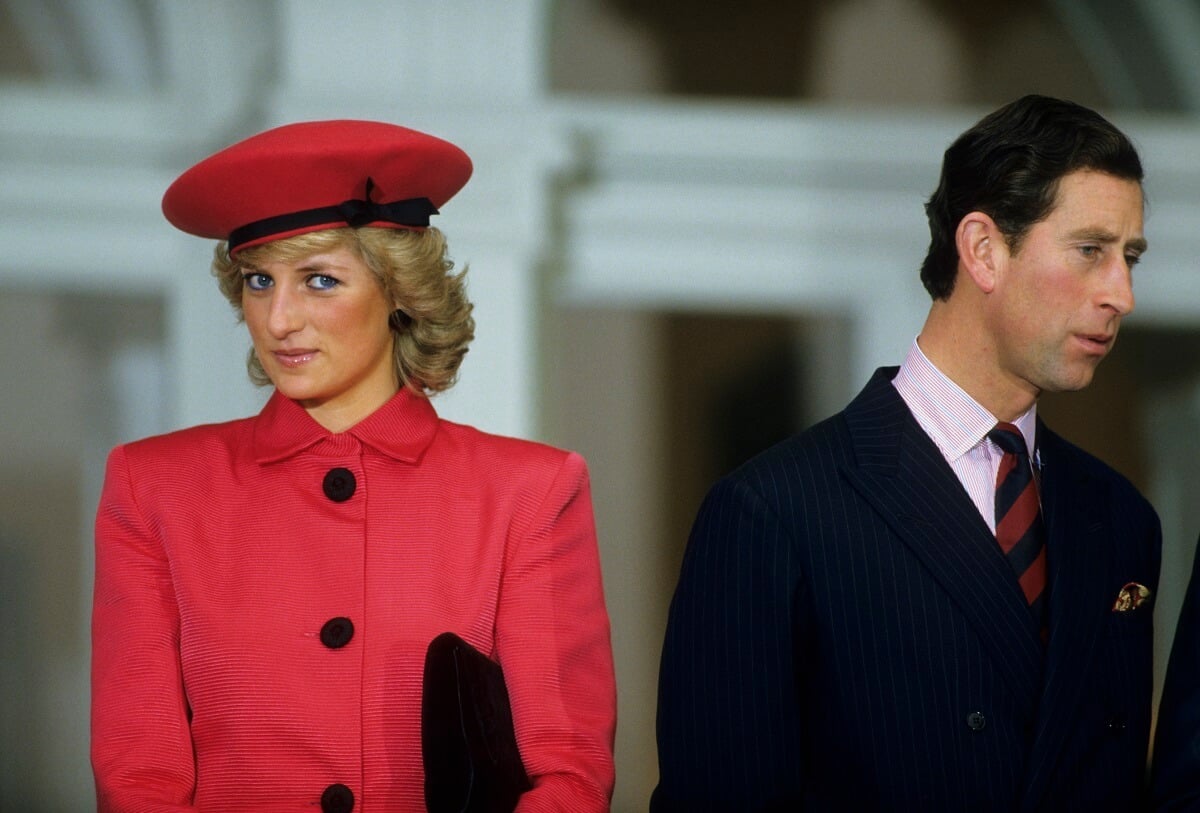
265	591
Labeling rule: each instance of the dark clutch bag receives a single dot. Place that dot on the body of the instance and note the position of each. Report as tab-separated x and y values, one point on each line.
472	764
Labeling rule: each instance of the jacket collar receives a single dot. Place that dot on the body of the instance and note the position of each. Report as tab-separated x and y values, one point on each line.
402	428
899	470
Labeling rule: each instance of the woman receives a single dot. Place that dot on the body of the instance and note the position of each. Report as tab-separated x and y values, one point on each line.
266	588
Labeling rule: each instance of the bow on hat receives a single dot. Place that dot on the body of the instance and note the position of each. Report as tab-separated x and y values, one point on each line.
358	212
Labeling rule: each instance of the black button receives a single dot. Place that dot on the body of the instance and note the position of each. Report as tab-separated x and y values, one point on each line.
339	484
337	632
976	721
337	798
1115	725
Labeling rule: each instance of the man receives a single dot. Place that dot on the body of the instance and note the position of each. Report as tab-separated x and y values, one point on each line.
896	610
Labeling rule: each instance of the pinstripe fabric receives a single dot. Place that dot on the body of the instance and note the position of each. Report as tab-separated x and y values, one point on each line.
847	635
1177	736
219	558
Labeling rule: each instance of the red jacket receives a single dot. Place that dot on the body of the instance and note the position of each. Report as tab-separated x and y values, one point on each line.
224	551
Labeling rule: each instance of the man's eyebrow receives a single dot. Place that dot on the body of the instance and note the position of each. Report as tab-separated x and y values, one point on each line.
1137	244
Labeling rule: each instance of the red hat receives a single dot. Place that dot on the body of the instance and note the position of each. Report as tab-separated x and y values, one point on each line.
316	175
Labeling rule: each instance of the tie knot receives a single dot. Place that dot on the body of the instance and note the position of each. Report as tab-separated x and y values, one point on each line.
1009	438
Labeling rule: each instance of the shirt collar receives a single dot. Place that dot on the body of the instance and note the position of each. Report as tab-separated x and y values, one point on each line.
402	428
954	420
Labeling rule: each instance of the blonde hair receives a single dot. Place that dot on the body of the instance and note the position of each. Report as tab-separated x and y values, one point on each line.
432	325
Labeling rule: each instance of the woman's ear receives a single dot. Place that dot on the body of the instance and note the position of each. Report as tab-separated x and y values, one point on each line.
399	320
981	249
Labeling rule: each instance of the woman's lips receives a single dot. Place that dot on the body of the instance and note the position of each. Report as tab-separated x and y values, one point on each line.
294	358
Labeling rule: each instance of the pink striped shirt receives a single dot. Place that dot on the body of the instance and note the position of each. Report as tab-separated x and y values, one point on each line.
958	426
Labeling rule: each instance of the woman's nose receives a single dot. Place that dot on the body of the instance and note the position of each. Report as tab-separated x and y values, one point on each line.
285	315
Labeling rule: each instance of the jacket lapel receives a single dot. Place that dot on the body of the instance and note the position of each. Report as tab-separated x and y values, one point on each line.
901	473
1077	560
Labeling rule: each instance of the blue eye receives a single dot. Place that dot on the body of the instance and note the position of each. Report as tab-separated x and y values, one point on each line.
256	281
322	282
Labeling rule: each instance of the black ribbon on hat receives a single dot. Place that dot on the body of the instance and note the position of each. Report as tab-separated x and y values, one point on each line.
355	213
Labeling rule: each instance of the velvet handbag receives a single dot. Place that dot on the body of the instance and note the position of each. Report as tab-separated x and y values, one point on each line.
469	747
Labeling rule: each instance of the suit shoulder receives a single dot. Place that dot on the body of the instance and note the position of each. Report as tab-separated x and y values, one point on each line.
823	444
793	470
195	443
492	450
1058	451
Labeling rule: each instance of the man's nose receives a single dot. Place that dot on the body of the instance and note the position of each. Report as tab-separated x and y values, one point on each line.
1118	293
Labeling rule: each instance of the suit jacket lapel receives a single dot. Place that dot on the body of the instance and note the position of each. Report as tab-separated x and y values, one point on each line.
1077	560
901	473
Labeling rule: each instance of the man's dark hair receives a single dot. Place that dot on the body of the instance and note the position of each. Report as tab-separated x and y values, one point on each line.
1009	165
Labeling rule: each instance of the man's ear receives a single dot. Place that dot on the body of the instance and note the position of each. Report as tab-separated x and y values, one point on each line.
981	248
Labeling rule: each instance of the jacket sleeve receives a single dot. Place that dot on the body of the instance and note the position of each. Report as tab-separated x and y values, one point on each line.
142	753
1176	768
728	718
553	642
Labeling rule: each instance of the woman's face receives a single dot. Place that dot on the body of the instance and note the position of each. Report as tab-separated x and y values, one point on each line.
320	330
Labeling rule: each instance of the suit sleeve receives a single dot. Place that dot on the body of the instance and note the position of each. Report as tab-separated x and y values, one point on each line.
728	718
142	753
553	641
1176	769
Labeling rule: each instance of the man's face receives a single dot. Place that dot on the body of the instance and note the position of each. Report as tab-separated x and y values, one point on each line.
1059	300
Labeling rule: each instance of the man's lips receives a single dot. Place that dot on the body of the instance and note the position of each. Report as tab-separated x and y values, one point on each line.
1097	342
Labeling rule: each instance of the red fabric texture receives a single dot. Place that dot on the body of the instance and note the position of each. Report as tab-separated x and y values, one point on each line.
219	558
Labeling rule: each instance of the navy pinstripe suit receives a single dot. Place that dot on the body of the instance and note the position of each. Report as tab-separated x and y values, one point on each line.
847	635
1177	737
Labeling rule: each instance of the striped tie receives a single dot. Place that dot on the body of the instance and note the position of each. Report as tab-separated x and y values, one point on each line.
1019	518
